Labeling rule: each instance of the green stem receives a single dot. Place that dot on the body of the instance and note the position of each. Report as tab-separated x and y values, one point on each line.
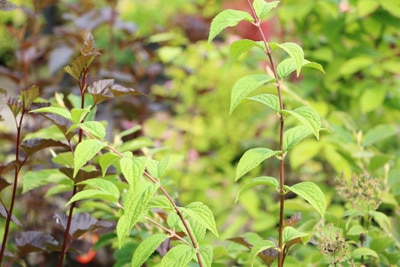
268	52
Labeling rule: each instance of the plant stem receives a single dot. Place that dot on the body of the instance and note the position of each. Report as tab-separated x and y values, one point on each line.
66	240
268	52
176	208
17	168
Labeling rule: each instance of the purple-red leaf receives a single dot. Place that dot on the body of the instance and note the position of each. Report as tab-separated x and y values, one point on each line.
81	223
3	213
82	174
3	183
292	221
31	146
119	90
32	241
7	6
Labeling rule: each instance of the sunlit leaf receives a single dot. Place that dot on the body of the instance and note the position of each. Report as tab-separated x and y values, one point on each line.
252	158
294	51
202	214
85	151
240	47
106	160
227	18
78	115
262	180
132	169
269	100
262	8
206	253
94	128
245	85
293	136
288	65
102	189
312	194
259	247
146	248
292	236
135	207
163	165
308	116
178	256
55	110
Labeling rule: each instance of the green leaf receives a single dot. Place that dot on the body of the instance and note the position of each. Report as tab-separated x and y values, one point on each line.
160	202
379	133
252	158
79	114
312	194
383	221
308	116
38	178
106	160
132	169
135	207
294	51
103	189
262	180
85	151
152	167
55	110
245	85
202	214
362	252
178	256
240	47
372	99
197	229
262	7
95	128
91	194
269	100
227	18
293	136
146	248
356	230
288	65
355	64
206	253
258	247
163	165
290	234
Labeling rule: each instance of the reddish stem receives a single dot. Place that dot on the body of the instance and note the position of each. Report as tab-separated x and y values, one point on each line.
268	52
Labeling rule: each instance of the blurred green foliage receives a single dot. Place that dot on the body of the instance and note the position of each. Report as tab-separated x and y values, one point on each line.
358	44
